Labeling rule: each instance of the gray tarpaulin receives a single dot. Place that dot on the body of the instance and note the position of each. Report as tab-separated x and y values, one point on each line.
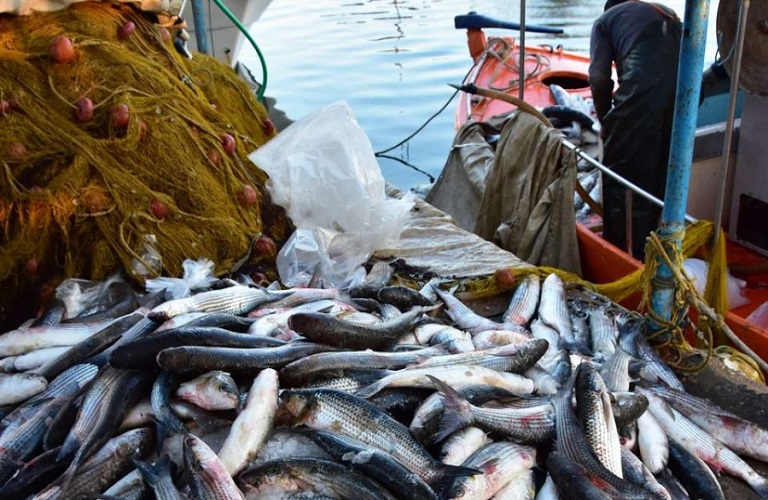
432	242
526	205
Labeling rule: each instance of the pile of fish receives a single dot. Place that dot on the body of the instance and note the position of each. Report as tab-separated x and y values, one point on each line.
378	391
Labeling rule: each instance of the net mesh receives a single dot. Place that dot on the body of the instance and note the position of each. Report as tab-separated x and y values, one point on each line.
79	198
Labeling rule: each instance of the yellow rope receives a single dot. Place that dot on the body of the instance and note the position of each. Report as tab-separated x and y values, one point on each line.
671	338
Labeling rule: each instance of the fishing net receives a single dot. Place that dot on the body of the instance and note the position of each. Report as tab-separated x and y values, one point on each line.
153	177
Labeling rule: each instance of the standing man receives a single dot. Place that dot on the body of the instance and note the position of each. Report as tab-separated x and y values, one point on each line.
643	39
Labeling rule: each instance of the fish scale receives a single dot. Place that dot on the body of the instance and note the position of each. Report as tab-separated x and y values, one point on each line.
500	462
304	368
112	461
573	444
594	409
466	318
233	300
553	309
337	332
209	479
354	417
454	375
318	478
375	463
524	301
697	441
740	435
19	443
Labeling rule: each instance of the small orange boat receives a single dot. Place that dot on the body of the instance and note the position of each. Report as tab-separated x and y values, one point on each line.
496	67
496	63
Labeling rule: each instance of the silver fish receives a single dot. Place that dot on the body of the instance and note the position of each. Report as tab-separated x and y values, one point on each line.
553	309
697	441
18	342
304	369
234	300
209	478
466	318
215	390
604	333
500	463
462	444
18	387
454	376
354	417
653	442
742	436
252	426
309	478
531	425
593	403
376	464
574	448
635	471
524	301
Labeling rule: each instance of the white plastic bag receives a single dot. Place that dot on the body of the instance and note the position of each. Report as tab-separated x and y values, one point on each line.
759	316
697	269
79	294
197	275
323	171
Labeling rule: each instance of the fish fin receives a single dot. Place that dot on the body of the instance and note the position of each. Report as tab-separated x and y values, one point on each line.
147	471
66	478
370	390
69	448
666	408
575	345
456	412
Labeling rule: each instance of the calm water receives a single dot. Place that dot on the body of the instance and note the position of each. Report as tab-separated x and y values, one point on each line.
391	61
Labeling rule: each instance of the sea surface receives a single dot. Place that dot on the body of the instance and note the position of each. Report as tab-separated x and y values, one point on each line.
392	61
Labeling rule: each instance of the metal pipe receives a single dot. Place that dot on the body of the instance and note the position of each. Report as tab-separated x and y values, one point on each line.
689	77
521	73
729	124
201	30
613	175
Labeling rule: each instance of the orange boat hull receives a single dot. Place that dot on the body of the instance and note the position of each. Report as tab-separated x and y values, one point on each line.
496	68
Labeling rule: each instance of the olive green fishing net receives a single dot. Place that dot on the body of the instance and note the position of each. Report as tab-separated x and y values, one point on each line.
81	198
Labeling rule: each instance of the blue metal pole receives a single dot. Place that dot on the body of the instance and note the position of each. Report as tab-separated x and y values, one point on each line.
201	29
689	76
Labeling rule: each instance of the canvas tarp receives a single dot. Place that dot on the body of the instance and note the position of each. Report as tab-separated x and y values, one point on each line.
526	205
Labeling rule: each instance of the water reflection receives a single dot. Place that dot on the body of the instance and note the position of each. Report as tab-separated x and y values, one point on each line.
391	60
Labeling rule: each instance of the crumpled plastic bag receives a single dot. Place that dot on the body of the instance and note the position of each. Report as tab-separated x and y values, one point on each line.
78	294
197	275
759	316
323	171
697	269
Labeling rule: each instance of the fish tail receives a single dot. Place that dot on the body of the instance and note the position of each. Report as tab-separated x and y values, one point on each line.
760	485
456	414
